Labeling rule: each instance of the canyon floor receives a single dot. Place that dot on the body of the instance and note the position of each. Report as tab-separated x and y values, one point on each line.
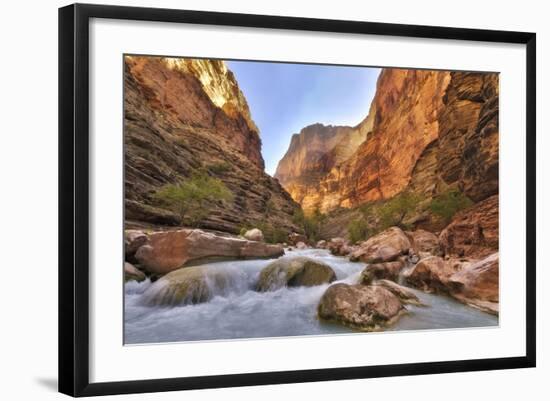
391	224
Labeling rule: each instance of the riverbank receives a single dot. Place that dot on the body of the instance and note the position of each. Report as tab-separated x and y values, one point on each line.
239	311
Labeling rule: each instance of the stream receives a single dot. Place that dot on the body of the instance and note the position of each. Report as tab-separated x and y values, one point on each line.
240	312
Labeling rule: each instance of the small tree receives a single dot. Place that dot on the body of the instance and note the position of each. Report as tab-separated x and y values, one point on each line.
448	203
311	224
394	210
358	230
190	199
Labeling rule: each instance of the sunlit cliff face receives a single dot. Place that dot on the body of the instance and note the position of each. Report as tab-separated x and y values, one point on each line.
415	115
218	83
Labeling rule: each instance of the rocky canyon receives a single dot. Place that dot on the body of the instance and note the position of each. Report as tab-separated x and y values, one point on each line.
186	115
390	224
427	132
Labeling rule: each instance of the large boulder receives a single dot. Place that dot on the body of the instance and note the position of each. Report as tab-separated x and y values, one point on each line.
478	284
423	241
132	273
294	238
254	234
339	246
473	232
133	240
321	244
386	246
301	245
358	306
335	245
377	271
294	272
169	250
188	285
432	274
406	295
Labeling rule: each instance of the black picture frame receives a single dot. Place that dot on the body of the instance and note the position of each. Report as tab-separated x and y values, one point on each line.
74	198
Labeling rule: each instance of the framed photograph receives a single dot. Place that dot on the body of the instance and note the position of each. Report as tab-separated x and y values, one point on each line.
251	199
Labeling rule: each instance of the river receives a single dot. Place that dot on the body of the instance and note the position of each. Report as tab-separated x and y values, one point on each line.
238	311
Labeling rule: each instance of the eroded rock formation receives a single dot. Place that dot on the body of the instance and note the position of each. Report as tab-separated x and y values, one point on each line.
182	115
429	131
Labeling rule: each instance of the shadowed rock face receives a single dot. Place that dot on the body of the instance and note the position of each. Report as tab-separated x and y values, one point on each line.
182	115
428	131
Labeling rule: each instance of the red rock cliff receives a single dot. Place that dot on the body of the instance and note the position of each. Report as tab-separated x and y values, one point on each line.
186	114
430	130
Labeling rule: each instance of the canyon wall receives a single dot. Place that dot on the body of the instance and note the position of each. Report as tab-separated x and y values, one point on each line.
182	115
429	131
313	153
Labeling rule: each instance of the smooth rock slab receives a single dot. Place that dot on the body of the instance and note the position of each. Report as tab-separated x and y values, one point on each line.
169	250
132	273
403	293
366	308
432	274
425	242
376	271
188	285
478	284
386	246
294	272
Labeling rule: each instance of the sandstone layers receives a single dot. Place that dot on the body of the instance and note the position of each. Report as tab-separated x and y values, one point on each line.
426	131
181	115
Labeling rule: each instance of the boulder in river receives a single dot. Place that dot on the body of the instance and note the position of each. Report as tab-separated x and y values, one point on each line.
132	273
406	295
254	234
321	244
424	241
339	246
359	306
376	271
301	245
384	247
188	285
432	274
133	240
478	284
169	250
294	272
294	238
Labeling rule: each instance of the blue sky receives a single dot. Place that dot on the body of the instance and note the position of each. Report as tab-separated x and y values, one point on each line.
284	98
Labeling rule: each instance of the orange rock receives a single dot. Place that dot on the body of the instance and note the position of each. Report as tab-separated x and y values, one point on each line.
169	250
479	281
386	246
473	232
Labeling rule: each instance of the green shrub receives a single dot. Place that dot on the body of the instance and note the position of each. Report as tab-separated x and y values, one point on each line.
448	203
310	224
191	199
219	167
393	211
380	215
358	230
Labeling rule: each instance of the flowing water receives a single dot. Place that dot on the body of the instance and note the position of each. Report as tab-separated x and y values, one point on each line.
237	311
